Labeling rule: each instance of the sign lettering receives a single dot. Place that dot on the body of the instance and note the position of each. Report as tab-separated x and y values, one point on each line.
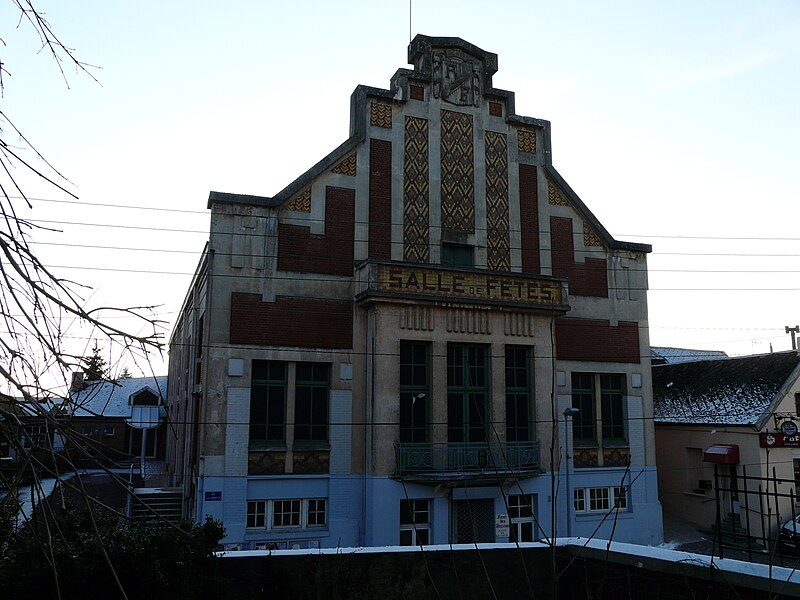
476	286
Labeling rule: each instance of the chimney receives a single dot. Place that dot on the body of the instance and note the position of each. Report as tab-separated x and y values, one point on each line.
77	382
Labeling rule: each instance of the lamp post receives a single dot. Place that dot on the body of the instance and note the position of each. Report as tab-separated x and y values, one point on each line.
568	414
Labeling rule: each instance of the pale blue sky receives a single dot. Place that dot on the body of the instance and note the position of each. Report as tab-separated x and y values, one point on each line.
669	119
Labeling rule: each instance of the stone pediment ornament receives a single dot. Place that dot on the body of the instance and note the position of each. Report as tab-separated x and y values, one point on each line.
456	79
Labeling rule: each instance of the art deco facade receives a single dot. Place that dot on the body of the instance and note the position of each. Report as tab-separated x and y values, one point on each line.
382	352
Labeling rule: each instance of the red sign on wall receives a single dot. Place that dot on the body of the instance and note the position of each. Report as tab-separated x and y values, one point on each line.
778	440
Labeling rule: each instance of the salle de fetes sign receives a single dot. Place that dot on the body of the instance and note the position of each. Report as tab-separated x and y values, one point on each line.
469	285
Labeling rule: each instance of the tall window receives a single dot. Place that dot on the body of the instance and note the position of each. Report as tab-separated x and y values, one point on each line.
612	407
520	512
518	395
414	391
268	402
311	402
415	522
583	424
594	393
467	387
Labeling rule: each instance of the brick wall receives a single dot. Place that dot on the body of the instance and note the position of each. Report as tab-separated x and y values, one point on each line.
585	279
303	322
329	254
380	199
529	218
597	340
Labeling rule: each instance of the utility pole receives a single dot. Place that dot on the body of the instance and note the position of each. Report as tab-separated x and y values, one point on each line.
794	331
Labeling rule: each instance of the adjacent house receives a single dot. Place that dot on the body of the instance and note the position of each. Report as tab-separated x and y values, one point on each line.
427	337
736	417
111	418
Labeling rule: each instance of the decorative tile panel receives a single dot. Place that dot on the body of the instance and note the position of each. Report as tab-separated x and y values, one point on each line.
415	191
347	166
590	238
526	141
554	195
301	203
380	115
616	457
457	172
498	245
584	458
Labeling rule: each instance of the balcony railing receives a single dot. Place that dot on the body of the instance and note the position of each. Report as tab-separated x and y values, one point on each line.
459	457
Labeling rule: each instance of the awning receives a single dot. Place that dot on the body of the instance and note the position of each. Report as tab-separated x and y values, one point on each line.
724	454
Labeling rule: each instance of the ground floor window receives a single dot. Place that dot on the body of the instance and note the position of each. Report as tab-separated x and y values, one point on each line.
600	499
520	512
415	522
292	513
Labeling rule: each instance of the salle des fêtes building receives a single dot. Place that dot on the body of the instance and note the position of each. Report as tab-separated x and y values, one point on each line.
383	352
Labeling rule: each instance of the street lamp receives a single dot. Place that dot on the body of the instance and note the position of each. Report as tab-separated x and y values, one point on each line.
569	412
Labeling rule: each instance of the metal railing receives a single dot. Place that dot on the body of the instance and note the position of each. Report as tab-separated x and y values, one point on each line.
472	456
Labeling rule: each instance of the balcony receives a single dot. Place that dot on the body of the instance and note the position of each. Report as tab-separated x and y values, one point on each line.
437	462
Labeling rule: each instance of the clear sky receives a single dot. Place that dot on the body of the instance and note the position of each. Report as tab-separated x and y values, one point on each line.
676	122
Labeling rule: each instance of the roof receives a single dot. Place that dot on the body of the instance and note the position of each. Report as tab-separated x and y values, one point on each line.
112	398
420	55
731	391
660	355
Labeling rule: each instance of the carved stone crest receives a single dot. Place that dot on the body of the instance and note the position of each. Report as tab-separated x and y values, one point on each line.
456	79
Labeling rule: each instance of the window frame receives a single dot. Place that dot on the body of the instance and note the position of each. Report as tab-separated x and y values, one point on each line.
514	392
413	527
518	503
601	499
410	392
612	408
461	394
267	386
261	514
601	401
457	255
310	436
585	422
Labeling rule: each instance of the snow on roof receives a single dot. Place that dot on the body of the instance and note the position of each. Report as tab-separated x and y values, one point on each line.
732	391
112	398
660	355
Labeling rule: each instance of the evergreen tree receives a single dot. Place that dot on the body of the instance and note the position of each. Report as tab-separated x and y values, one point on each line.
125	374
95	368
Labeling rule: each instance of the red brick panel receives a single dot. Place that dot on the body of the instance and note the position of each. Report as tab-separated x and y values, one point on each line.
585	279
596	340
329	254
303	322
417	92
529	218
380	199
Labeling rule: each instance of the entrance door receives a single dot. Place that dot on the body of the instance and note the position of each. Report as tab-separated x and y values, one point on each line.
729	484
472	521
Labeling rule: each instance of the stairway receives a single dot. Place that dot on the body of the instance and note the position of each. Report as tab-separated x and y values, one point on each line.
150	504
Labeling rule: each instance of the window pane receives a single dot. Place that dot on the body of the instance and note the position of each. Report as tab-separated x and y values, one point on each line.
455	418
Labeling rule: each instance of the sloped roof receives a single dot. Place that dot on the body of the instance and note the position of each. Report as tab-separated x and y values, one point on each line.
732	391
112	398
666	355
